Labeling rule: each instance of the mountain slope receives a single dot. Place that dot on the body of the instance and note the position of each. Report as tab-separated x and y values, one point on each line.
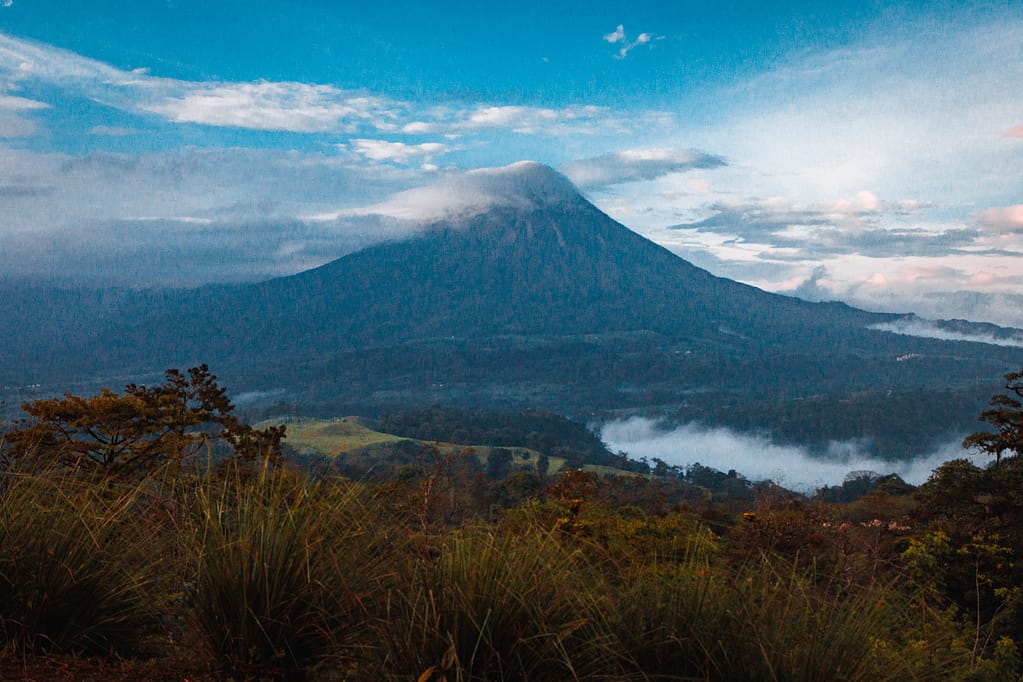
552	264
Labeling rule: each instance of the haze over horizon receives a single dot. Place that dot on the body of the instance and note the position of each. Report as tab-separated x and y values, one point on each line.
864	153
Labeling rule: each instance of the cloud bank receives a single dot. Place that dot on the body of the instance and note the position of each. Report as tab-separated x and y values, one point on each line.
950	331
757	458
293	107
522	185
636	164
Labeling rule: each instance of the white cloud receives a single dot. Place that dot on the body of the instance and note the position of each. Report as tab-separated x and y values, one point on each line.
13	122
12	103
398	152
521	185
261	105
295	107
529	120
112	131
928	329
618	37
1007	219
421	128
757	458
636	164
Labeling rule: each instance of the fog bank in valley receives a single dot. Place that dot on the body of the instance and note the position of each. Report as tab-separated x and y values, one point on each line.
758	458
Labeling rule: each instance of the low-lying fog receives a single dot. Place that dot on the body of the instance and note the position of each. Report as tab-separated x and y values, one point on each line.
757	458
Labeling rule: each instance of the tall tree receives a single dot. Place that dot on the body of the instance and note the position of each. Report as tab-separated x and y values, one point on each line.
1006	416
135	431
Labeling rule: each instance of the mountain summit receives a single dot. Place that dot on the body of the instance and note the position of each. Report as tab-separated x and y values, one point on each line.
524	185
528	180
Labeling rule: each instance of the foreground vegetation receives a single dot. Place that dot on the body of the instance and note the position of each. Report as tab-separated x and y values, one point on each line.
209	556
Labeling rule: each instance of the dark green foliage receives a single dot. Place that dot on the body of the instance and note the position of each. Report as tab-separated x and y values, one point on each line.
857	484
1006	416
545	432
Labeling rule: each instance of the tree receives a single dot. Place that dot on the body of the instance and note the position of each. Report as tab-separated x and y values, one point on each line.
499	463
1006	415
133	432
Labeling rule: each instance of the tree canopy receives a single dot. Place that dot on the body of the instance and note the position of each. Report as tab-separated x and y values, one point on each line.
134	431
1006	416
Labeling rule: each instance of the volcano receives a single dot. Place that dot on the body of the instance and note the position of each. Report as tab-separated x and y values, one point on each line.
517	292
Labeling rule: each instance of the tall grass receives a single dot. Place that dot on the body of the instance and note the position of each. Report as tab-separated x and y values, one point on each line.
286	570
71	575
672	613
697	619
499	607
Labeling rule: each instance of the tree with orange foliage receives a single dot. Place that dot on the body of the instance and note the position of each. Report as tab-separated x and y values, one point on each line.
133	432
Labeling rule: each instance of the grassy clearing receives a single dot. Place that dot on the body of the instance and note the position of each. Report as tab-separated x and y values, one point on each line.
332	438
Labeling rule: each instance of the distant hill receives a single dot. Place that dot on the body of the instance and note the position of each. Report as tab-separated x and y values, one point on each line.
537	300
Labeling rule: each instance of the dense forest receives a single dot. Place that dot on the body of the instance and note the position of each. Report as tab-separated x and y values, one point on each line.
151	534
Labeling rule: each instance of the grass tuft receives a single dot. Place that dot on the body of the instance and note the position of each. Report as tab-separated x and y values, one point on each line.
70	579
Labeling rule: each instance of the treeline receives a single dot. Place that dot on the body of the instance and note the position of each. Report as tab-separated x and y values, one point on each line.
545	432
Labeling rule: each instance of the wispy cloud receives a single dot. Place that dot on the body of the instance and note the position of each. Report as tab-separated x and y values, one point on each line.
951	331
458	195
619	37
13	121
564	121
637	164
261	105
13	103
294	107
863	224
399	152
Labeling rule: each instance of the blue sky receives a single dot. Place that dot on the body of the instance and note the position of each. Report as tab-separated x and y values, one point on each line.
863	151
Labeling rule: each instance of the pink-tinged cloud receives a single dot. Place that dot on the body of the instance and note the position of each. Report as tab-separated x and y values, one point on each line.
1006	219
1016	131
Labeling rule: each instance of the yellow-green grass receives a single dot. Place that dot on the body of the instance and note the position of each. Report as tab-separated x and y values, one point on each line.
331	437
349	436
